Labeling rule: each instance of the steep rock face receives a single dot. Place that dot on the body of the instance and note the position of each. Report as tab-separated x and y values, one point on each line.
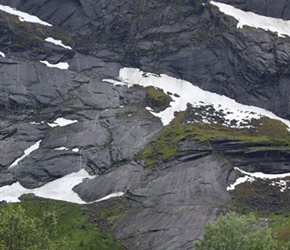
176	198
192	40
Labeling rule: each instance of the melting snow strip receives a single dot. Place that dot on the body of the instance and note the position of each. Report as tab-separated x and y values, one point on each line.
2	54
57	42
251	19
239	181
61	65
184	92
250	177
61	122
26	153
117	194
261	175
61	149
23	17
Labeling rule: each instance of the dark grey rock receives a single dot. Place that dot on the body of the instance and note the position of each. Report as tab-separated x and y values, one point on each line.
190	40
95	66
181	183
165	227
177	199
119	179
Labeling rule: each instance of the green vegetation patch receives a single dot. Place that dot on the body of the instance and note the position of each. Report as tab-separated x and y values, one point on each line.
235	231
113	212
157	99
74	224
268	203
166	143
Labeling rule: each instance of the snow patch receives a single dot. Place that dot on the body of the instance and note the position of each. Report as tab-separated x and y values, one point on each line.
60	189
57	42
280	26
264	176
117	194
282	184
61	149
61	65
239	181
184	92
76	150
2	54
26	153
61	122
23	17
37	123
250	177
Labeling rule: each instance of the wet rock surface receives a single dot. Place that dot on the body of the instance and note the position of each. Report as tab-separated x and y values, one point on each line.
191	40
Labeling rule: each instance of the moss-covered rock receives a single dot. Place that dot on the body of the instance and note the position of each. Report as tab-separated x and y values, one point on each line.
157	99
166	143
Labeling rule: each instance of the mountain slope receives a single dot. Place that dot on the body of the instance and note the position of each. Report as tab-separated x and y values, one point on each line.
74	105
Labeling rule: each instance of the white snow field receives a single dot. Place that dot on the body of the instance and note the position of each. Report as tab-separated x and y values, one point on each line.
277	25
184	92
23	17
61	65
60	189
57	42
2	54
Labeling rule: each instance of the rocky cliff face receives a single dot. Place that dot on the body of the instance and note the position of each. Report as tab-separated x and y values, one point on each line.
175	177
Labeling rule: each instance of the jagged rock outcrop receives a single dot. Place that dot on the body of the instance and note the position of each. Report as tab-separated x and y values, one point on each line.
172	198
194	42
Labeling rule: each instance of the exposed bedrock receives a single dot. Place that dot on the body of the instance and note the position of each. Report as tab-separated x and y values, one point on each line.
176	199
191	40
188	40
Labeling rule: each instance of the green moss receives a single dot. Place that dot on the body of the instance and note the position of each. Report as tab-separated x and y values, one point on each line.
31	35
157	99
165	144
73	224
114	212
281	224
